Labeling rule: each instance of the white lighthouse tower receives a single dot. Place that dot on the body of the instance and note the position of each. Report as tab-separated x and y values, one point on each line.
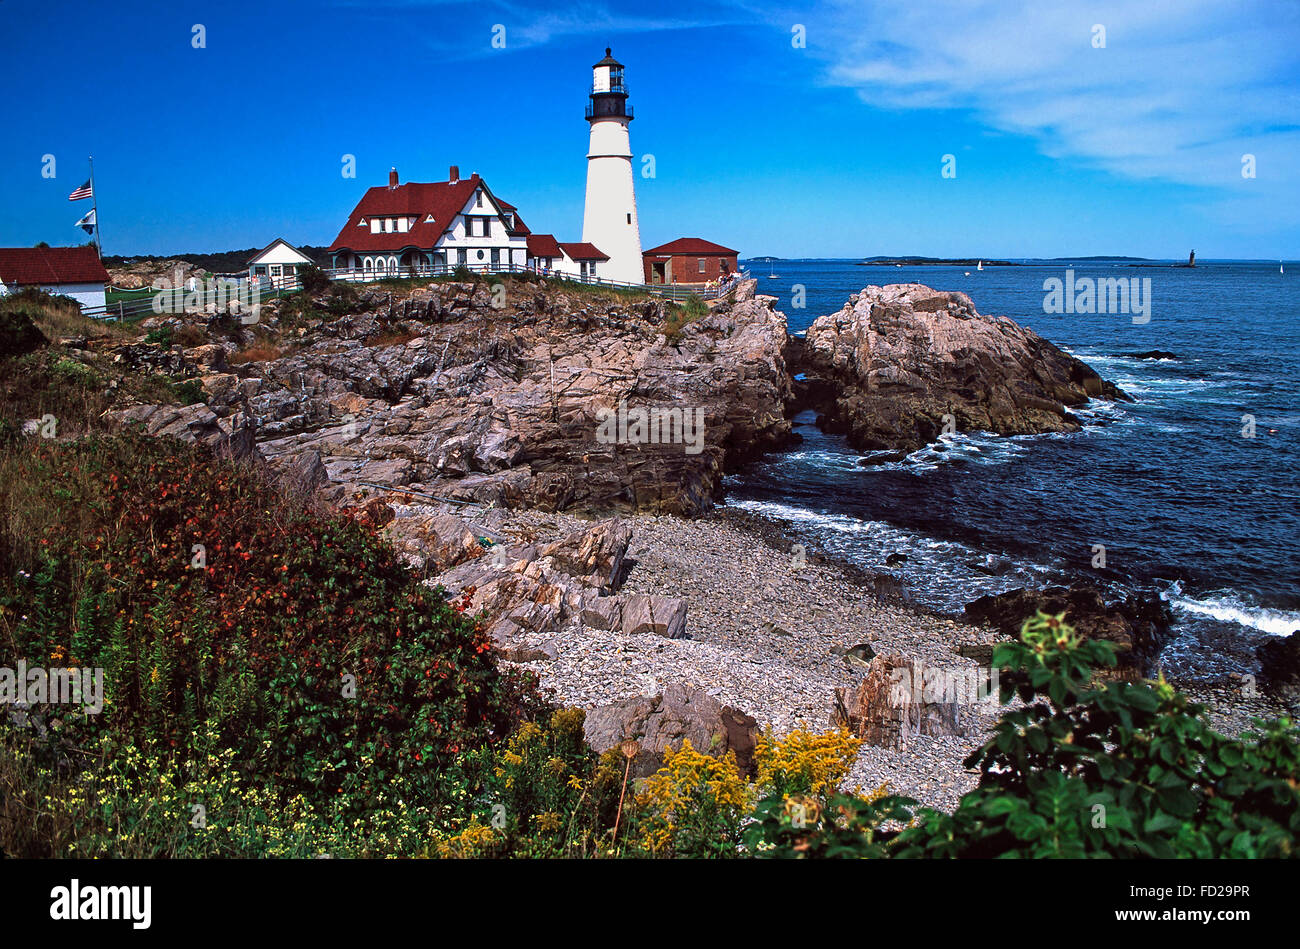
609	220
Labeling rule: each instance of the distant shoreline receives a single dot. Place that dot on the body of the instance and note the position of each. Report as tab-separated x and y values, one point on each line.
931	262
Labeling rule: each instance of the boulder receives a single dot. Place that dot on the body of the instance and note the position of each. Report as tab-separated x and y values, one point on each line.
231	437
1279	660
899	700
594	556
679	713
1138	625
888	367
662	615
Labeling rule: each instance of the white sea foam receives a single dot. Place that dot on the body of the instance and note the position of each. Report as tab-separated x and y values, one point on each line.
1230	609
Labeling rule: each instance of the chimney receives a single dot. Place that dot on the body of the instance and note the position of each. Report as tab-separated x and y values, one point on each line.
453	175
392	178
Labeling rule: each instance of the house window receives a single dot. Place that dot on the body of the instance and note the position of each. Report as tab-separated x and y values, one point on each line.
480	255
259	271
374	225
460	256
403	225
275	270
478	199
701	265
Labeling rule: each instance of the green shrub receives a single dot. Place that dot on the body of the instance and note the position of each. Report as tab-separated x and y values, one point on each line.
689	311
300	637
1116	769
313	280
18	333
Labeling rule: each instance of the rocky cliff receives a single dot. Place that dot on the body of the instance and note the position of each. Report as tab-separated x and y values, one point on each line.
524	394
500	396
889	366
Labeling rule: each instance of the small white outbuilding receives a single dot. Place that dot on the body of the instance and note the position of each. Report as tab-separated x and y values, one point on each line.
278	263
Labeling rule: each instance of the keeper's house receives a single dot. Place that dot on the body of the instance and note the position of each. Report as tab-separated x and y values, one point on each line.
277	263
425	228
417	229
71	271
688	260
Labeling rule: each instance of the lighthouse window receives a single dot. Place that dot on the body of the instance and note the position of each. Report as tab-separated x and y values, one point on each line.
629	217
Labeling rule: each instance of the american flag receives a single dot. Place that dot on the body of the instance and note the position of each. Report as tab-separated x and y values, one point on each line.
85	191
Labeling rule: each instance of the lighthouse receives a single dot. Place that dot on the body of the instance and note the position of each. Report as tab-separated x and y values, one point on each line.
609	219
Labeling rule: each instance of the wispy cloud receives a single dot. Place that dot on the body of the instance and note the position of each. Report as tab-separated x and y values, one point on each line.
1180	91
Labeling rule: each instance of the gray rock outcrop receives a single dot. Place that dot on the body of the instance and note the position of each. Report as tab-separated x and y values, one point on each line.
889	366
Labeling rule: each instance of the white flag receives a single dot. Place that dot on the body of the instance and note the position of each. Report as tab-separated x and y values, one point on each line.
87	223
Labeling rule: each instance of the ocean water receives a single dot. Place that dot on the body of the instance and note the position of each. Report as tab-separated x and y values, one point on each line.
1184	504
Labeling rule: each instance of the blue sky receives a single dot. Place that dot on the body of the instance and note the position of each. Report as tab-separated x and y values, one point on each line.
833	149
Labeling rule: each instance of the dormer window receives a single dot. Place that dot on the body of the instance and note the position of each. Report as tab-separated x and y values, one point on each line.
361	223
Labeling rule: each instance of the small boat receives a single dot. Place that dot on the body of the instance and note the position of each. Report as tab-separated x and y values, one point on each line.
1281	268
968	273
981	266
770	275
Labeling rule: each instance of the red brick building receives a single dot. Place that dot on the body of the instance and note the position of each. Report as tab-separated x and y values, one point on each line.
688	260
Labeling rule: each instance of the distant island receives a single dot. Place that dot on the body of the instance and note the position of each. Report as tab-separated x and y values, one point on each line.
931	261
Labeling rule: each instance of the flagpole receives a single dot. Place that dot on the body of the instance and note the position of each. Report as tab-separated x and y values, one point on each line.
94	204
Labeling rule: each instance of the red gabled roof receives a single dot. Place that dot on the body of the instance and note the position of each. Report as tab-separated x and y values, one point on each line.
543	245
443	199
696	246
520	229
584	251
50	265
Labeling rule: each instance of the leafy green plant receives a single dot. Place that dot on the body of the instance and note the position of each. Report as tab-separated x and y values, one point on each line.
1113	769
258	637
312	279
